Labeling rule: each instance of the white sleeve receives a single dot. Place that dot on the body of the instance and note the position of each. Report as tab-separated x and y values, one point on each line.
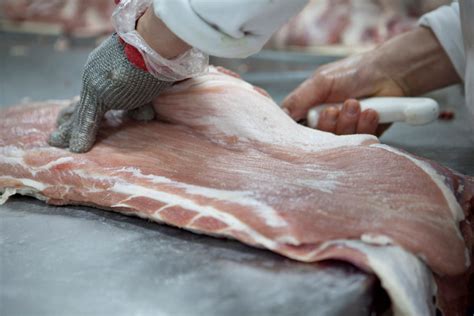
226	28
445	23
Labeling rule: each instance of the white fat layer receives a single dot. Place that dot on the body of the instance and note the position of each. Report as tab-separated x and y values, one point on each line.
243	198
407	280
13	160
38	186
50	164
14	156
288	239
7	192
376	239
168	198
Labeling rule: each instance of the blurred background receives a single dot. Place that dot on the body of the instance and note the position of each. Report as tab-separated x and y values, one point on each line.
334	26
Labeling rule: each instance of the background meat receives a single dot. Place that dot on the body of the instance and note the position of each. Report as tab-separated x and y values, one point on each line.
322	22
351	22
73	17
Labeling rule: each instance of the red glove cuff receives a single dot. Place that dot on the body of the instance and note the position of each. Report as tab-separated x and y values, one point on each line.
133	55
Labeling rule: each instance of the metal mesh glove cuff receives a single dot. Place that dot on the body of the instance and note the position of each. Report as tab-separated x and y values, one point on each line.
187	65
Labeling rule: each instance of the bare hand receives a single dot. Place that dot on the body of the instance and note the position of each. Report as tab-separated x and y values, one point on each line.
353	77
410	64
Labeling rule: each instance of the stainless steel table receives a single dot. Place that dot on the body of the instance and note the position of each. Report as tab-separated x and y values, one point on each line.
79	260
83	261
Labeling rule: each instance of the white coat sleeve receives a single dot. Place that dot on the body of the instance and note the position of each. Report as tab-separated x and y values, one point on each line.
226	28
445	23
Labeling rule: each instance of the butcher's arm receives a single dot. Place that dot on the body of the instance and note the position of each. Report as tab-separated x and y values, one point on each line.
416	68
408	65
229	28
159	36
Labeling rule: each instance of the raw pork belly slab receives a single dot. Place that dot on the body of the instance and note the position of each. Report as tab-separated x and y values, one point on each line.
223	159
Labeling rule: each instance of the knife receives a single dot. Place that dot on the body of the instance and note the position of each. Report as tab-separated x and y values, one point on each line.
413	111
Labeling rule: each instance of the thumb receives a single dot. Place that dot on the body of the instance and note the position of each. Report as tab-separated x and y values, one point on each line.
311	92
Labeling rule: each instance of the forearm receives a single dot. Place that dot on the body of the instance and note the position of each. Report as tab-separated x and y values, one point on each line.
157	35
416	61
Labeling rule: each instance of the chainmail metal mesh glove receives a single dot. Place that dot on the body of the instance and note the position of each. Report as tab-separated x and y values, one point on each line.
109	82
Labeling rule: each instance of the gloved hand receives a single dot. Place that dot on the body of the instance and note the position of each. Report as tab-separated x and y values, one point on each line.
109	82
127	72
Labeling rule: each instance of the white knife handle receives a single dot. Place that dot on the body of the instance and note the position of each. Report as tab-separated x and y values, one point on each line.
414	111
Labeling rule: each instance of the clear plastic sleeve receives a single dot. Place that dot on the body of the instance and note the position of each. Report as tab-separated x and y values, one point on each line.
186	65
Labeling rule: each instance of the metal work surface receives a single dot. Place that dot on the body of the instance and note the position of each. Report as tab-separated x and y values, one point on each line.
79	260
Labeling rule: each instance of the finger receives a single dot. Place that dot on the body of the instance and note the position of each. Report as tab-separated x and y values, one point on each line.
85	125
368	122
143	113
311	92
60	137
66	113
328	120
348	117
